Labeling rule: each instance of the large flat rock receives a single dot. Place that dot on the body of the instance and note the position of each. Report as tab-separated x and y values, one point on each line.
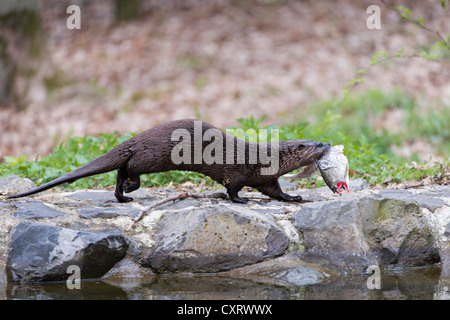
214	239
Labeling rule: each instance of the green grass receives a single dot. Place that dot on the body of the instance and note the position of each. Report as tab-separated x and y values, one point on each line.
357	115
369	149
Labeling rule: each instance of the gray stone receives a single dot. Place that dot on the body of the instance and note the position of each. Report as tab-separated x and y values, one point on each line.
430	203
347	235
35	210
180	204
418	248
42	252
447	231
287	185
300	276
269	209
92	196
312	195
358	185
214	239
436	191
127	270
14	184
107	196
389	228
108	213
400	231
332	235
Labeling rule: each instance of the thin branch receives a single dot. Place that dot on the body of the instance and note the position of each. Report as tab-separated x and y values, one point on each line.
420	24
413	55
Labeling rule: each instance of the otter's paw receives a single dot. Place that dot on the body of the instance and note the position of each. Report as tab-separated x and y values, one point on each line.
125	199
288	198
239	200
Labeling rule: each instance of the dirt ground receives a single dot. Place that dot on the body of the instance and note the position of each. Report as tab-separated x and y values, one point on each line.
218	61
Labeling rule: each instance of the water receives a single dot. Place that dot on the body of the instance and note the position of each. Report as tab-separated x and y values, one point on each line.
426	283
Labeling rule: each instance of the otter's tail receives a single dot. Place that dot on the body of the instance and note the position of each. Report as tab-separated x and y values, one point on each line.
112	160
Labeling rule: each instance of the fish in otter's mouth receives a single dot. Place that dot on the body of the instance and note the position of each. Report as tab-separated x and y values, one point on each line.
333	166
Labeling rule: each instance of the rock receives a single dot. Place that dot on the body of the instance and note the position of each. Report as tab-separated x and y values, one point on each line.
358	185
300	276
99	196
402	234
42	252
269	208
445	258
14	184
319	194
447	231
92	196
214	239
430	203
341	234
332	235
181	204
128	270
108	213
418	248
287	185
287	270
35	210
347	236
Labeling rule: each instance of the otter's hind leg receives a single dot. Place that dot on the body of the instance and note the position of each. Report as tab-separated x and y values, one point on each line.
273	190
122	176
233	193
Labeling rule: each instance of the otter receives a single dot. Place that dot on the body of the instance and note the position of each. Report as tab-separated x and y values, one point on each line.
194	145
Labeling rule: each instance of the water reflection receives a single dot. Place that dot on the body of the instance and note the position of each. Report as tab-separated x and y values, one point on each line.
90	290
424	283
420	284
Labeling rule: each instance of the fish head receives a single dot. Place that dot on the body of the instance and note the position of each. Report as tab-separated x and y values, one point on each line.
333	167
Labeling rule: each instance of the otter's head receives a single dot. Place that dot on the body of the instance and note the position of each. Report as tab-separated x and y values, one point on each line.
304	152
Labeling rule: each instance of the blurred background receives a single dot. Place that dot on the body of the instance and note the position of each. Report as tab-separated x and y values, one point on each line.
135	64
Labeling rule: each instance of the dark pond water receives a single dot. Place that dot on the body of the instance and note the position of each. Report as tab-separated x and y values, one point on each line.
427	283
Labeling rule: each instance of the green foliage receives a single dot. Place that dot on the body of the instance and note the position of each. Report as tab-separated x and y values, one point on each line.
68	156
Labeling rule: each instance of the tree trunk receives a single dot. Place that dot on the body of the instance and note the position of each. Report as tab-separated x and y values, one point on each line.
24	62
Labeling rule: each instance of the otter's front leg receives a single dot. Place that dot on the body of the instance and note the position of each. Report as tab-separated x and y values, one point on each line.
273	190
